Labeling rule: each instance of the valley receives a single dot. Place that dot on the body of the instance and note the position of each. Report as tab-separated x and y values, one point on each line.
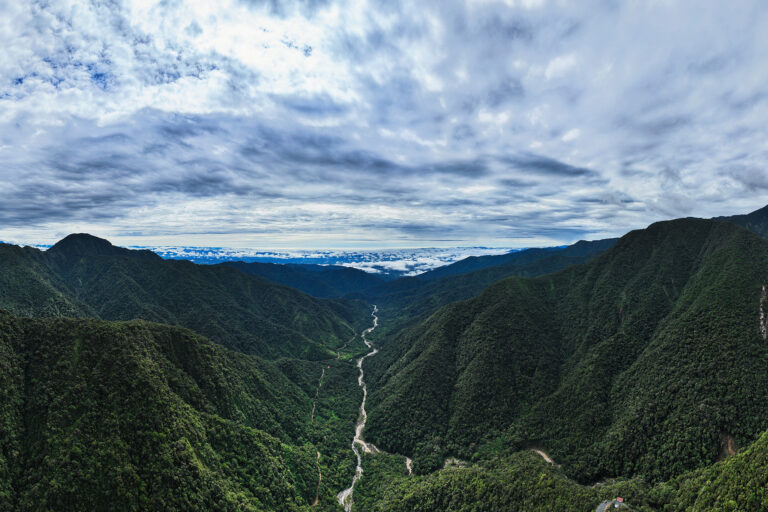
346	496
633	368
383	256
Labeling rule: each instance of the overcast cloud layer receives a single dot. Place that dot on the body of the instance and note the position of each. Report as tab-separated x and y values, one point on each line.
318	123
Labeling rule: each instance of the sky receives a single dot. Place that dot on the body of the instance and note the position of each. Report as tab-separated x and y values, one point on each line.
378	123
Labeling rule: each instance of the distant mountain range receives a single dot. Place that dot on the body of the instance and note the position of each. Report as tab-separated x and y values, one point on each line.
542	379
387	263
86	276
317	280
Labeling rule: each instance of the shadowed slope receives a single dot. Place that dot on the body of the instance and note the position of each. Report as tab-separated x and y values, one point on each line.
316	280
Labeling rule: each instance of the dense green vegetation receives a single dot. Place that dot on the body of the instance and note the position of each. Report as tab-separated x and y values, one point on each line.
636	368
29	287
332	427
85	276
139	416
220	430
524	482
637	363
756	221
409	300
317	280
737	483
101	415
521	482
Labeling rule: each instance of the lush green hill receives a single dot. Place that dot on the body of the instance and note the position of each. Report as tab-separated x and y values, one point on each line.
401	304
317	280
756	221
523	481
234	431
87	276
139	416
637	363
408	300
29	287
738	483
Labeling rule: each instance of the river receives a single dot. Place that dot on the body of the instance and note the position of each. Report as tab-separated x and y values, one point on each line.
345	496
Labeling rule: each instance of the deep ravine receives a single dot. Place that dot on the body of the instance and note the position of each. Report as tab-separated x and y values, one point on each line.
345	496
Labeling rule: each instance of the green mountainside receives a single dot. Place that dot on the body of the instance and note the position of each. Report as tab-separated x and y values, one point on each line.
29	287
408	299
638	363
140	416
84	276
739	482
524	482
756	221
98	415
525	257
317	280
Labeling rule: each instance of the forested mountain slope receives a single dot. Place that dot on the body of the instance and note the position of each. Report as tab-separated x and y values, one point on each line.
639	362
647	361
317	280
524	482
739	482
407	300
85	276
756	221
29	287
580	249
139	416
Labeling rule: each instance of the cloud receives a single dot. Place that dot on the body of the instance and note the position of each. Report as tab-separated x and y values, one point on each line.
340	123
314	105
571	135
560	66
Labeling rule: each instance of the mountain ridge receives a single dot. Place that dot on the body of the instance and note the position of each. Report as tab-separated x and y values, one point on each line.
84	276
475	366
320	281
85	244
629	363
756	221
